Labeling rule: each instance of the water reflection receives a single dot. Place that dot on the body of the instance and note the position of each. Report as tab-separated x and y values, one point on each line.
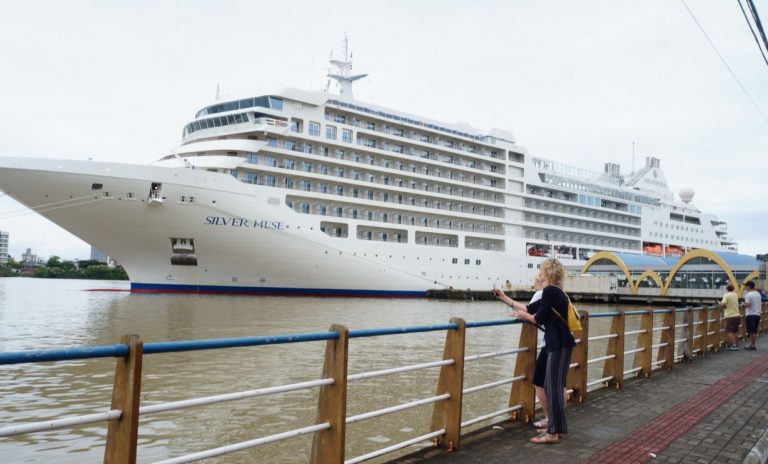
48	313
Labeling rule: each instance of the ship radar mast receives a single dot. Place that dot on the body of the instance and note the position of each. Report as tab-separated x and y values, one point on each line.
342	72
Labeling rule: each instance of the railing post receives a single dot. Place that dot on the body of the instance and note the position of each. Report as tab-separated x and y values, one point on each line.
704	331
615	367
764	318
645	341
667	353
689	345
328	445
123	433
522	392
743	324
577	376
718	338
447	414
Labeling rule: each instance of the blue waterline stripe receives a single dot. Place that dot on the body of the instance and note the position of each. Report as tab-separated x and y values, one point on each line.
224	289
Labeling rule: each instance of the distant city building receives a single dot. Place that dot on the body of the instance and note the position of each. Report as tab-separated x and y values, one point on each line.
3	247
97	255
30	260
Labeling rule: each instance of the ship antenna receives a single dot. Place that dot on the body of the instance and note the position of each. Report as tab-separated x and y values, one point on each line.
343	71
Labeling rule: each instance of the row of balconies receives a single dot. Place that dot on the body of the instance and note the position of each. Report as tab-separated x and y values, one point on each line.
312	206
583	212
583	225
554	237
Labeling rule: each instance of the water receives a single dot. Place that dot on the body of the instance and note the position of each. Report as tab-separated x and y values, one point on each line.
38	314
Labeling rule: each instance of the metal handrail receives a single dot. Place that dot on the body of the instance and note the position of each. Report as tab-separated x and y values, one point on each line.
44	426
601	358
399	407
476	357
603	337
246	444
395	447
490	385
397	370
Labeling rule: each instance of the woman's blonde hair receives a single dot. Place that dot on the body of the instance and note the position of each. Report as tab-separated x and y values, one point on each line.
553	271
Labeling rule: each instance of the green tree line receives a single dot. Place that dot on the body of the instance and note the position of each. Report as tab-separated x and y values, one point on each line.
56	268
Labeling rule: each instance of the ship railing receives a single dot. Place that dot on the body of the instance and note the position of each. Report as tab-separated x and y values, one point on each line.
674	335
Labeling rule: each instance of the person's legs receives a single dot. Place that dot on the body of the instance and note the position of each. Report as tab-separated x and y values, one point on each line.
539	374
558	362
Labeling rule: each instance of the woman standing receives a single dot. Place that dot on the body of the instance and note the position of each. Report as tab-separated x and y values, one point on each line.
551	312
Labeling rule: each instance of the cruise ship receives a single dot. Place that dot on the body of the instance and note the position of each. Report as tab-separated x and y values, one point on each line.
317	193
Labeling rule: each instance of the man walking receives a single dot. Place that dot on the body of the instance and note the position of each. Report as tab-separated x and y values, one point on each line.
752	302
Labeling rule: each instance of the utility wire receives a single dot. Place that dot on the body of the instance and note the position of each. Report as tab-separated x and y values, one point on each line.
758	23
757	41
725	63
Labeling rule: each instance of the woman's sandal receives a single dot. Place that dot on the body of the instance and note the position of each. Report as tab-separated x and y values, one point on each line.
545	439
541	423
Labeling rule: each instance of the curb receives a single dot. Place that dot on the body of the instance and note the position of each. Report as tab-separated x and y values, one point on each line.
759	453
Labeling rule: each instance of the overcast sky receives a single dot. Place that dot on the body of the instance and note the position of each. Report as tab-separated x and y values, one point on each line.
576	82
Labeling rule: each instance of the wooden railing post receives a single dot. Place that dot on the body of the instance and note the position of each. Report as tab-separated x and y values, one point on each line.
523	392
718	338
689	345
743	324
447	414
615	367
577	376
645	341
667	352
328	445
704	331
123	433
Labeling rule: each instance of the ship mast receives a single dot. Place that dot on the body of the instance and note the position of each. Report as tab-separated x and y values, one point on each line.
343	72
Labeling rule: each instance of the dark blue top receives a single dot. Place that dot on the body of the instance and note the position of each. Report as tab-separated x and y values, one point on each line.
556	333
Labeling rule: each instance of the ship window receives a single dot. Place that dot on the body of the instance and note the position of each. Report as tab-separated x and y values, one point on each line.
275	103
455	260
314	129
330	132
466	260
96	186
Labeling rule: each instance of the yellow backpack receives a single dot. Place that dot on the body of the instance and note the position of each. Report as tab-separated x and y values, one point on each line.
573	322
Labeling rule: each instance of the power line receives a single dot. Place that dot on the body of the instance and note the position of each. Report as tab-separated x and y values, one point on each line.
757	41
758	23
725	63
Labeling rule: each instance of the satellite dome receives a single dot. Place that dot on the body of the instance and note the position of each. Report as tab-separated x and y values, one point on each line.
686	195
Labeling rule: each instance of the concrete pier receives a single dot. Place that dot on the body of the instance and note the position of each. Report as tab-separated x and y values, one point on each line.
713	409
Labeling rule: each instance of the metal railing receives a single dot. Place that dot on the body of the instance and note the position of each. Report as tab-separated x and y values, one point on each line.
699	332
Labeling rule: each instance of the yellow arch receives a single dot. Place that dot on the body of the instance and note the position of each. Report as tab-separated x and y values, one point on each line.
647	273
698	253
752	275
612	258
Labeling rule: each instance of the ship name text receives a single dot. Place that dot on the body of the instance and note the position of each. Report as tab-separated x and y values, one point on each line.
243	223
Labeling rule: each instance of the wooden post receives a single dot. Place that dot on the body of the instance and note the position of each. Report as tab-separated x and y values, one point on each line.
522	392
704	331
667	352
328	445
577	376
447	414
718	338
645	341
743	324
615	367
689	345
123	433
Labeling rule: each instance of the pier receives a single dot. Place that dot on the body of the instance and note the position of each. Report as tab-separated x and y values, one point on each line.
641	382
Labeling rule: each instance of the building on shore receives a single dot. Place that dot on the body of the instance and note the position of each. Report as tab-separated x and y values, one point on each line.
98	255
3	247
30	261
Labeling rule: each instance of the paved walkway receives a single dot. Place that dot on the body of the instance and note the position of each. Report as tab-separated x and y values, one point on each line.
711	410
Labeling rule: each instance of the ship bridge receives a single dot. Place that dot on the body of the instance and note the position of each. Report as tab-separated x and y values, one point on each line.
698	273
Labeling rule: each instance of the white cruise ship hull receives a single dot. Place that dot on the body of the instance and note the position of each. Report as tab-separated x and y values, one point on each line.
231	237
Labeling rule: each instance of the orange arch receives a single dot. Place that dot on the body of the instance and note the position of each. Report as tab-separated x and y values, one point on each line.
612	258
698	253
647	273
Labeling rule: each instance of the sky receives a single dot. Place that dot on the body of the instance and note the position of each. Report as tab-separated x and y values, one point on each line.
576	82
